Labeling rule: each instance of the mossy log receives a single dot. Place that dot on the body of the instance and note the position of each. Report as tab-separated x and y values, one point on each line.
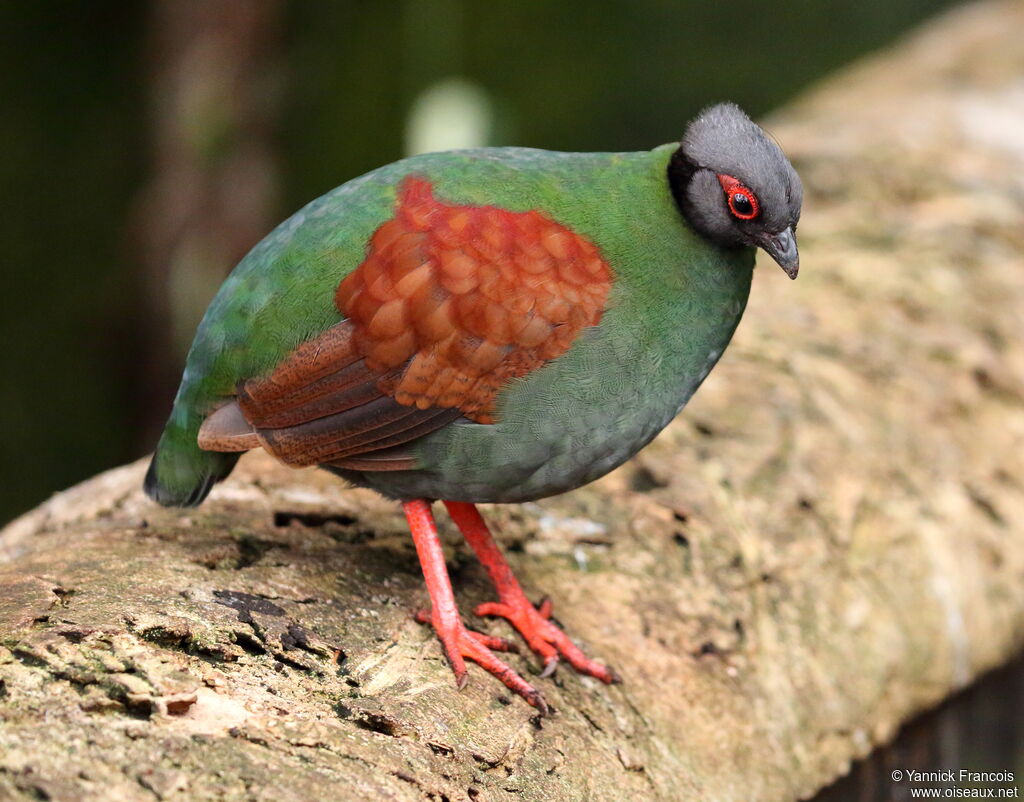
827	541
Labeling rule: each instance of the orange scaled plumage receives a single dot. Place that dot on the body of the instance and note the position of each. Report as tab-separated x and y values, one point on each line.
470	297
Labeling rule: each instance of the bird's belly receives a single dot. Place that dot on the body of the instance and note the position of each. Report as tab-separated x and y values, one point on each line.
588	452
548	448
525	466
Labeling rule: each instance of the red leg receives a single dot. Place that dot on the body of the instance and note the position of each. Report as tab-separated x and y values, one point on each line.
544	638
459	643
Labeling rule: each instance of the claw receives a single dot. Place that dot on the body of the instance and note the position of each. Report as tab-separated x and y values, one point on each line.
549	667
538	701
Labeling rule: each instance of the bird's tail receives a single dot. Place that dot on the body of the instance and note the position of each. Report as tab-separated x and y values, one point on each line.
182	474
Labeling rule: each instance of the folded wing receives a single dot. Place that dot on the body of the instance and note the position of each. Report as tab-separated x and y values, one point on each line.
451	303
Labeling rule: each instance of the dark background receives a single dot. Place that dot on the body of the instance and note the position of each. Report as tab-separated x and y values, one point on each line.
144	147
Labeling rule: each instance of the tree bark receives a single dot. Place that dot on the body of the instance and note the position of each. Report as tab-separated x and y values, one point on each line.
825	543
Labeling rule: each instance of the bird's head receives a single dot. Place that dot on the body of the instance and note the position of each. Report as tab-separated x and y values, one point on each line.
735	186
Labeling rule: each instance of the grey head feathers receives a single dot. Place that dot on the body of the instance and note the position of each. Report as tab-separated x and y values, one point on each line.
735	186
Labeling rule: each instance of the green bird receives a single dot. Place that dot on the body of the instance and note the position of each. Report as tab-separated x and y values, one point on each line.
492	325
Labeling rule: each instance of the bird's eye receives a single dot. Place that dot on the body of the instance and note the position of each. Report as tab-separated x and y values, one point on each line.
741	205
742	202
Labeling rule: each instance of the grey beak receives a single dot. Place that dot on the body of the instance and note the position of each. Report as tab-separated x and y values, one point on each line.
782	248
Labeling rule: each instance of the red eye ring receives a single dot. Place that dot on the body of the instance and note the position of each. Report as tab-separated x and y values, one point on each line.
742	202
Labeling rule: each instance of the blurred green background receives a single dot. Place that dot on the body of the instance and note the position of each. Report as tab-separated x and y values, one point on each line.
146	146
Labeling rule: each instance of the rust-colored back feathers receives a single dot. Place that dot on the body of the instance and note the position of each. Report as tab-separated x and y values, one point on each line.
470	297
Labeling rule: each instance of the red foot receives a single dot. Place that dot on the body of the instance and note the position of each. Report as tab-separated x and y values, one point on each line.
543	637
459	643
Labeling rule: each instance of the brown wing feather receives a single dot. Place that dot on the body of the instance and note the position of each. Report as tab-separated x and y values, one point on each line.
226	429
351	387
451	303
344	433
392	459
318	406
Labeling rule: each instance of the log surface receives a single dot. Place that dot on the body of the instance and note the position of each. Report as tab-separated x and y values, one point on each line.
826	542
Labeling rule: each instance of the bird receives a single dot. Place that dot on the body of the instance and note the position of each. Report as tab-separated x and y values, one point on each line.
494	325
